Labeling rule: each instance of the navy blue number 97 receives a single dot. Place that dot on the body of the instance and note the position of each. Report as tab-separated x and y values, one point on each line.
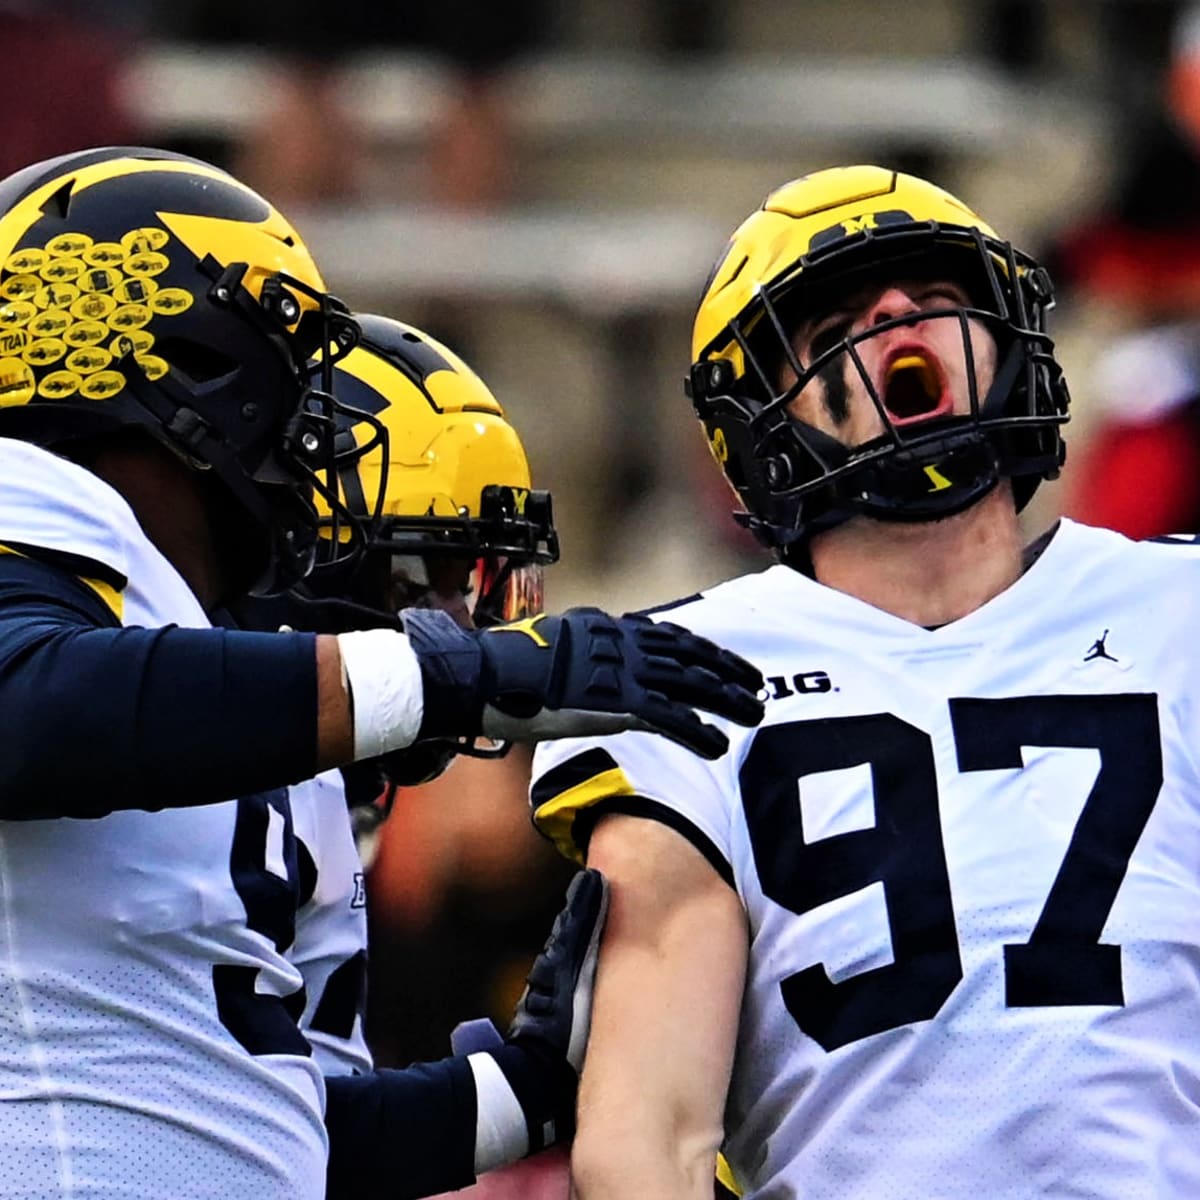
1062	963
264	865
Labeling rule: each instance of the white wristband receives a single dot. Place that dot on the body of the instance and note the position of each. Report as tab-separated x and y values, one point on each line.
501	1136
384	678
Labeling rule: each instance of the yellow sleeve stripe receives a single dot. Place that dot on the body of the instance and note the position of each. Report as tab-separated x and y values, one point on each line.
113	598
725	1176
562	794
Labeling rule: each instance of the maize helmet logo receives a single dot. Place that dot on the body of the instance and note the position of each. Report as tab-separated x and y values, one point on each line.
81	306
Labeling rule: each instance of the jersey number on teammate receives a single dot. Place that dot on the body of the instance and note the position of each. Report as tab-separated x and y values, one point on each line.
1062	963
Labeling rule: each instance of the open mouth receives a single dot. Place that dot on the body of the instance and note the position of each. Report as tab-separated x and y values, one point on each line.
914	387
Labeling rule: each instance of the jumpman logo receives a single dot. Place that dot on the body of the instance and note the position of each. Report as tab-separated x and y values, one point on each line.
1098	650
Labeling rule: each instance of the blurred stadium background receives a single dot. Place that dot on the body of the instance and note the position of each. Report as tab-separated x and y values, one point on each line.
544	186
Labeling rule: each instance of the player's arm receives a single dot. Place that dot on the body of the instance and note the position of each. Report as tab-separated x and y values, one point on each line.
434	1127
101	717
665	1016
192	716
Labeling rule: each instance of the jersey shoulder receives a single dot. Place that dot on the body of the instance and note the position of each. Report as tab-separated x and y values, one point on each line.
53	505
1113	561
576	779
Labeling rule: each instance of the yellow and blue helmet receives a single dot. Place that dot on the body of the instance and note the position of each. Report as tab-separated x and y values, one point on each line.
811	242
457	523
146	290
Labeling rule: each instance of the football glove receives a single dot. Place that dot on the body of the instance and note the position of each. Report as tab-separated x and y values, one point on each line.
580	674
540	1057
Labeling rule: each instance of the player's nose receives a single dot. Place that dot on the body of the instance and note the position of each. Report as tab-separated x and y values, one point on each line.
891	303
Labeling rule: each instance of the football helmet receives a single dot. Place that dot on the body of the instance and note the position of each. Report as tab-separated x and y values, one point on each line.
141	289
458	524
816	239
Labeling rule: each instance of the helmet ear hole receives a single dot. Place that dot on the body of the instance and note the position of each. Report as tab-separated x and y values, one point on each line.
197	362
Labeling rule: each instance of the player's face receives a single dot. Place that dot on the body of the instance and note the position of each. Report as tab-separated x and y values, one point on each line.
918	370
441	583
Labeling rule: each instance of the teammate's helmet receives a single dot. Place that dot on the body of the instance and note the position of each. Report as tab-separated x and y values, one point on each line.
457	508
145	290
812	241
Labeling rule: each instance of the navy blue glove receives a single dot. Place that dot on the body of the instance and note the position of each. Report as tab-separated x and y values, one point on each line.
580	674
541	1055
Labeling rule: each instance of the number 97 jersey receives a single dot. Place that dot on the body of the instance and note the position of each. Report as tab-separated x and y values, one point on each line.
970	862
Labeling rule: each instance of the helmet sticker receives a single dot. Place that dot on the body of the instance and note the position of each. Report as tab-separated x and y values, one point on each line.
88	360
142	241
44	351
69	245
135	291
25	262
83	304
92	307
20	287
102	385
154	366
59	384
130	316
104	254
63	270
55	295
16	381
135	341
148	263
53	323
15	314
85	333
171	301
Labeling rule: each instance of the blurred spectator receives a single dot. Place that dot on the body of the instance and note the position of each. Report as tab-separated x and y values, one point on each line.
1140	471
307	148
62	76
1143	250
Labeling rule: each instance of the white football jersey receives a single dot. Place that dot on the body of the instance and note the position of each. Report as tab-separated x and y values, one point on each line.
148	990
330	949
970	861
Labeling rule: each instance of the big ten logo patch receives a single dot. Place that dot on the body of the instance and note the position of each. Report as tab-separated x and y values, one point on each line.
802	683
75	311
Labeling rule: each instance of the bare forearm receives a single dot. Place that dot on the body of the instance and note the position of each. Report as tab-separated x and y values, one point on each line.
616	1163
664	1022
335	720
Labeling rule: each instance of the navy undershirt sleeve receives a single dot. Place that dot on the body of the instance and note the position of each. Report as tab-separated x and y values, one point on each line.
99	718
397	1135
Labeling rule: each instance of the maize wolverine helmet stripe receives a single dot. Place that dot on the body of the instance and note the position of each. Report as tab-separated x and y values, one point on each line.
144	289
815	239
457	486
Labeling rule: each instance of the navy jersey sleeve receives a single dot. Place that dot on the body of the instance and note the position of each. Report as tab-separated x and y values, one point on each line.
98	717
397	1135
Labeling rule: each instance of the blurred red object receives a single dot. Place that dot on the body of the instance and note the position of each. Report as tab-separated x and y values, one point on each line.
1141	480
545	1176
62	88
1139	473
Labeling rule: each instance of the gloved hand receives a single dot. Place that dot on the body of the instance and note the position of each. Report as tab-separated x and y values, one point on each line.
542	1053
580	674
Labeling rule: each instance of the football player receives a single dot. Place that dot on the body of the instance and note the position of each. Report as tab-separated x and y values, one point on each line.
460	527
931	929
160	442
460	530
